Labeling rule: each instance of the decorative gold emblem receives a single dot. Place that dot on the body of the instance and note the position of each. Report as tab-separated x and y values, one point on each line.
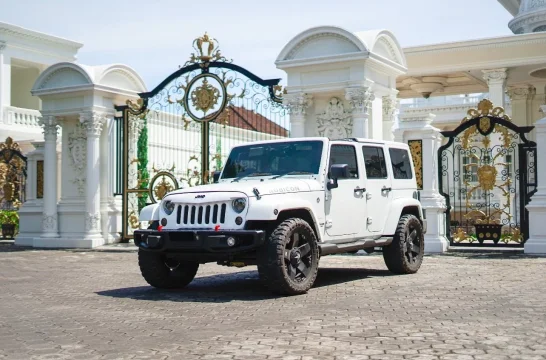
160	186
487	175
205	97
485	124
161	189
206	51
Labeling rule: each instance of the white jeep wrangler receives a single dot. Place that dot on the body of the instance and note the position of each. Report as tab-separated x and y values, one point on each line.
283	204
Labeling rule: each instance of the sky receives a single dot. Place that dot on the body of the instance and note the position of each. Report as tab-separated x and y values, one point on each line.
155	37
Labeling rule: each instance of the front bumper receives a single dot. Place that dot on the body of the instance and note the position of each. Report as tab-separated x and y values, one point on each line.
196	241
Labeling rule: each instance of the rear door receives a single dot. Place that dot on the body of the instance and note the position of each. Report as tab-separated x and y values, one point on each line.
378	187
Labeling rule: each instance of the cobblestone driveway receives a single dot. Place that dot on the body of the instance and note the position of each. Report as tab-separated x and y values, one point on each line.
95	305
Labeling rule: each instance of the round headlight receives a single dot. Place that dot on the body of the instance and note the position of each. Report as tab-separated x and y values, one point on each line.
238	205
168	207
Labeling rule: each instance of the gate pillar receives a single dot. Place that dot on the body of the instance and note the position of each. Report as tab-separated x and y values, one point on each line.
536	244
424	141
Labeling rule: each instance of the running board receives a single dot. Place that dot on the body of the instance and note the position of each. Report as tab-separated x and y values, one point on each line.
329	248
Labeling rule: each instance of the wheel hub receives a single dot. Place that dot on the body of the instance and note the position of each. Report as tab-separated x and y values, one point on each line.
295	257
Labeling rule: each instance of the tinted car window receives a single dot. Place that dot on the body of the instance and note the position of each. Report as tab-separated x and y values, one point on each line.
374	159
345	154
400	161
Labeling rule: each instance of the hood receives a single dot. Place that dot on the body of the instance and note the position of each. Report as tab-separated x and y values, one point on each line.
265	187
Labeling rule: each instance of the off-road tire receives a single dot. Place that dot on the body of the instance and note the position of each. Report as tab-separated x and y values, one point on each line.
401	257
155	271
273	264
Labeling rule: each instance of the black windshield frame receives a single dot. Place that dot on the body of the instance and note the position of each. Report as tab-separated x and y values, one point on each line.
275	158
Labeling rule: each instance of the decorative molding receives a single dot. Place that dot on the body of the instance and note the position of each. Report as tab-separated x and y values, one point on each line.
495	76
528	20
49	222
3	45
392	51
50	127
93	122
335	122
526	92
360	99
299	45
298	103
77	148
66	69
19	32
92	221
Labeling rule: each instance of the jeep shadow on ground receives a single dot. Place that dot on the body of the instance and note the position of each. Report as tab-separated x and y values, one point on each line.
238	286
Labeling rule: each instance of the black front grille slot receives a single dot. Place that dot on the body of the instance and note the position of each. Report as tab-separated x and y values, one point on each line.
178	213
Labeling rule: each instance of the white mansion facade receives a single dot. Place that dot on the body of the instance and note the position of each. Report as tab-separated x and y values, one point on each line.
338	83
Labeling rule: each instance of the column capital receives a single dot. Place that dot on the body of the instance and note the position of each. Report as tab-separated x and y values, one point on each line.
495	76
522	92
298	103
360	99
50	127
391	107
93	122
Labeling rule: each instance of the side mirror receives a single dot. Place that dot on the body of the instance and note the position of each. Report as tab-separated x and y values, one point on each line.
216	176
337	171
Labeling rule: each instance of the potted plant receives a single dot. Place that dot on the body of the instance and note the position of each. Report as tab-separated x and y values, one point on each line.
10	223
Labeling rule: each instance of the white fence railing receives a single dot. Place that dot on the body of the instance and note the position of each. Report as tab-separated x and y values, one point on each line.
20	116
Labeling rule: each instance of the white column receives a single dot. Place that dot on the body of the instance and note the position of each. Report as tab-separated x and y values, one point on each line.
361	99
420	128
297	106
536	244
376	128
5	80
496	80
521	98
93	123
391	106
50	227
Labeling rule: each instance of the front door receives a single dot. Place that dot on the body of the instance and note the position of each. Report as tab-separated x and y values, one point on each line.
378	186
346	207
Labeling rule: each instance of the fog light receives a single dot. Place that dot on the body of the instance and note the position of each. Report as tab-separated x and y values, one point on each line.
164	221
230	241
238	220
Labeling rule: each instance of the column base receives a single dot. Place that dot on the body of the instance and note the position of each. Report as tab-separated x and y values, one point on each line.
436	244
65	242
536	244
435	239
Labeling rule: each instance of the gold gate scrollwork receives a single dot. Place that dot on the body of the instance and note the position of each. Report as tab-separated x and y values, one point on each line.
13	167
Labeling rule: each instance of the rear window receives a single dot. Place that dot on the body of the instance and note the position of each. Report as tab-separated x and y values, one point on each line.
400	162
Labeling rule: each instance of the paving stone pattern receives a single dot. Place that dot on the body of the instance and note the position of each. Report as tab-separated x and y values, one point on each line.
95	305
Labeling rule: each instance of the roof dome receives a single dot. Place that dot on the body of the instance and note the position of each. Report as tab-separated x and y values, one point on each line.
531	17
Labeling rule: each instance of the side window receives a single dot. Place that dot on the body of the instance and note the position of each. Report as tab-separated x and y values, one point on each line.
374	159
400	160
345	154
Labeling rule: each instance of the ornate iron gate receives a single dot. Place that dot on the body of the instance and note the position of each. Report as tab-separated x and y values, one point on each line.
13	175
487	172
180	132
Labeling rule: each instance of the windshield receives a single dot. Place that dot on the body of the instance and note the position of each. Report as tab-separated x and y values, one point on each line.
274	159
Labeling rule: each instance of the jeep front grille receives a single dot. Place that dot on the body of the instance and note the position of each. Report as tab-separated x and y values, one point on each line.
201	214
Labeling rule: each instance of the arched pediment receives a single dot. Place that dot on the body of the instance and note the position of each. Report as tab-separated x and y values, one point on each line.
62	75
384	44
121	77
322	41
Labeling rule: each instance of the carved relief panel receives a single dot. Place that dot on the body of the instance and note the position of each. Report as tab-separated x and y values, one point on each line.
335	122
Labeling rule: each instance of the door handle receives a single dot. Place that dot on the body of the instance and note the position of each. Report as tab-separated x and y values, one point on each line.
357	189
386	188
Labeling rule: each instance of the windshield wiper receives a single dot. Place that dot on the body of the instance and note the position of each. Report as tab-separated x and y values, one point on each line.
251	175
294	173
